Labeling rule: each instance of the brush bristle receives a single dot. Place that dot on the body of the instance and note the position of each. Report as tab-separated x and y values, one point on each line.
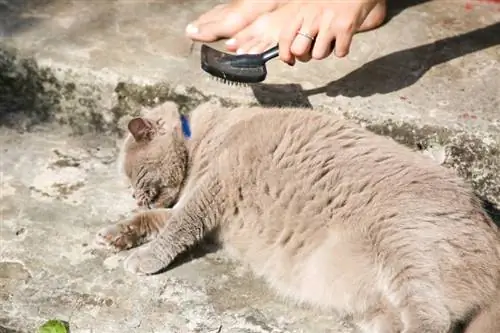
228	82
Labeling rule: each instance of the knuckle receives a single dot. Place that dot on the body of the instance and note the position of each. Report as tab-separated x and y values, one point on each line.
345	26
286	35
328	14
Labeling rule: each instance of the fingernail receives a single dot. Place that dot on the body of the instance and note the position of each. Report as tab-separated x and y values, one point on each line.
231	41
240	51
192	29
253	51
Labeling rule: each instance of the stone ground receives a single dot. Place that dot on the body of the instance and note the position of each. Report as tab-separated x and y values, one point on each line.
71	73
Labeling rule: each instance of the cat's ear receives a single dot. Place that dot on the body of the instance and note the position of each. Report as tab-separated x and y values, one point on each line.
140	128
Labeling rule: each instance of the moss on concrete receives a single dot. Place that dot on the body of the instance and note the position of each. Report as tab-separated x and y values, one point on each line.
132	97
32	95
26	99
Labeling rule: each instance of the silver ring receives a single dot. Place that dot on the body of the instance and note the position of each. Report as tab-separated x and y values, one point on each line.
306	35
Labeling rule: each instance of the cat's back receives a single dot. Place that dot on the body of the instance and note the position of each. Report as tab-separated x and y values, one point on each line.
323	166
307	143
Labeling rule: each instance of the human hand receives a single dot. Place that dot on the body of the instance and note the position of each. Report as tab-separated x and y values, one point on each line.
318	26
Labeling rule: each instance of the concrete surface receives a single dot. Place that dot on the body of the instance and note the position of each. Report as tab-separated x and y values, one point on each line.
71	72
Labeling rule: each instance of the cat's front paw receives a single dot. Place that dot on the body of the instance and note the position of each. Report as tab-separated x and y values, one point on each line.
118	237
146	197
144	262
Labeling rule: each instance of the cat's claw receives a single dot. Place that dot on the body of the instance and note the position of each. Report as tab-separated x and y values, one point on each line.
143	262
117	237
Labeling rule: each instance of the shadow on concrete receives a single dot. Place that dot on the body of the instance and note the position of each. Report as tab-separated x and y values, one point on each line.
401	69
207	246
4	326
14	18
394	8
391	72
281	95
8	330
492	211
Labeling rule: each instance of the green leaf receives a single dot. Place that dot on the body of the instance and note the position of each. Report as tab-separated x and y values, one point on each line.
53	326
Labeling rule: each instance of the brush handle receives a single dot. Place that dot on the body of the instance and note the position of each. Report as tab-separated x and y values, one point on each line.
275	51
252	60
270	54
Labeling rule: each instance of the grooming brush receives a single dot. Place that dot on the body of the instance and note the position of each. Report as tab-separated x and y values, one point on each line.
236	69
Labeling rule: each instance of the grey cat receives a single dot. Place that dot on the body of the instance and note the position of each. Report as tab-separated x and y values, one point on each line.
326	212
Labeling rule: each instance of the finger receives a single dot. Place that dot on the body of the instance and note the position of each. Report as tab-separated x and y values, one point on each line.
249	45
206	32
324	44
213	14
261	47
304	39
207	20
219	26
344	34
342	45
240	39
287	35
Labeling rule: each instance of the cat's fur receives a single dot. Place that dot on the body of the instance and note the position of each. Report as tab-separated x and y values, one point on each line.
328	213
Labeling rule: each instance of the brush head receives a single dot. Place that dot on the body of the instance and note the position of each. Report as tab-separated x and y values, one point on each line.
229	83
247	68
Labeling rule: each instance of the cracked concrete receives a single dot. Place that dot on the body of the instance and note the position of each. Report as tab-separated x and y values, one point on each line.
72	73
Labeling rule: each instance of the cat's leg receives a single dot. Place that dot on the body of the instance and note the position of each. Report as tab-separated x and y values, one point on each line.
144	196
422	309
143	227
487	320
380	321
166	198
193	217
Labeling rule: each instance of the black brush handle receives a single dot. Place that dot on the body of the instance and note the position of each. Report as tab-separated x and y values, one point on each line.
270	54
252	60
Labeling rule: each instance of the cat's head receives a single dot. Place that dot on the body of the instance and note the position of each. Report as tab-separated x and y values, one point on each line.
154	156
